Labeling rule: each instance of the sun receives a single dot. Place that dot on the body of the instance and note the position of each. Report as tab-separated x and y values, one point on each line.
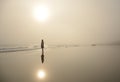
41	74
41	12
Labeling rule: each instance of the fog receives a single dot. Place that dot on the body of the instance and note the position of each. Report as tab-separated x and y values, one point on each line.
70	22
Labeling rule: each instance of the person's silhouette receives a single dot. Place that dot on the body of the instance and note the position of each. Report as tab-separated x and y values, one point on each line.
42	44
42	47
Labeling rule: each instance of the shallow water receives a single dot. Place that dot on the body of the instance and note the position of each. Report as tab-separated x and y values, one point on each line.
93	64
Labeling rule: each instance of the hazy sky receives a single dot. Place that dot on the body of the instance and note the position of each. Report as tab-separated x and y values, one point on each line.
69	22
